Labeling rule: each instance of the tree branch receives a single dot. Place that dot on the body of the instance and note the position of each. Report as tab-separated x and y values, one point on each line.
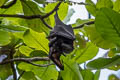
55	9
44	65
82	25
70	2
9	5
21	16
34	16
46	24
80	3
25	60
28	17
21	75
12	65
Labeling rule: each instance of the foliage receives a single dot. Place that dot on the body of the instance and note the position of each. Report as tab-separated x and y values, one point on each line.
26	38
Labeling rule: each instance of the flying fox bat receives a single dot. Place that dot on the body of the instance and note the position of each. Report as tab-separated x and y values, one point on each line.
61	41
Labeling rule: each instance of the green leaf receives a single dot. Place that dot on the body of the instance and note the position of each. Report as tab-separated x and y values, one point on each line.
112	52
96	38
86	54
113	77
80	41
97	75
44	73
91	7
104	3
66	0
17	24
2	2
13	41
12	28
101	63
87	74
31	8
16	8
18	35
108	25
28	76
5	71
115	67
117	6
79	22
25	50
37	53
40	1
36	40
4	38
62	12
71	71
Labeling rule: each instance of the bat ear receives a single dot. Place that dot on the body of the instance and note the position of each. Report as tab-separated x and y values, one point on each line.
57	20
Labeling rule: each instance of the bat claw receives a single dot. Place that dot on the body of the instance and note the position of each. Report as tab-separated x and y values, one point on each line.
56	60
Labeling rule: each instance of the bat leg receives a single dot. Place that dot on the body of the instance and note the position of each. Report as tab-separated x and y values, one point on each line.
57	61
55	57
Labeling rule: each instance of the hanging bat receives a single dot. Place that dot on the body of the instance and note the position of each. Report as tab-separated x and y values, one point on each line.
61	41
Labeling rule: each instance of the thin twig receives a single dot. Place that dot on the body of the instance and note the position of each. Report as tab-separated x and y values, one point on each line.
82	25
25	60
21	16
27	17
34	16
43	65
46	24
21	75
79	3
9	5
12	65
55	9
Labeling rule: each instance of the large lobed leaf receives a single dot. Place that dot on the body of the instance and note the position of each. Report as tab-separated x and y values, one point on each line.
36	40
31	8
2	2
108	25
117	6
4	38
87	74
25	50
71	70
101	63
16	8
28	76
44	73
96	38
104	3
93	8
5	71
82	55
